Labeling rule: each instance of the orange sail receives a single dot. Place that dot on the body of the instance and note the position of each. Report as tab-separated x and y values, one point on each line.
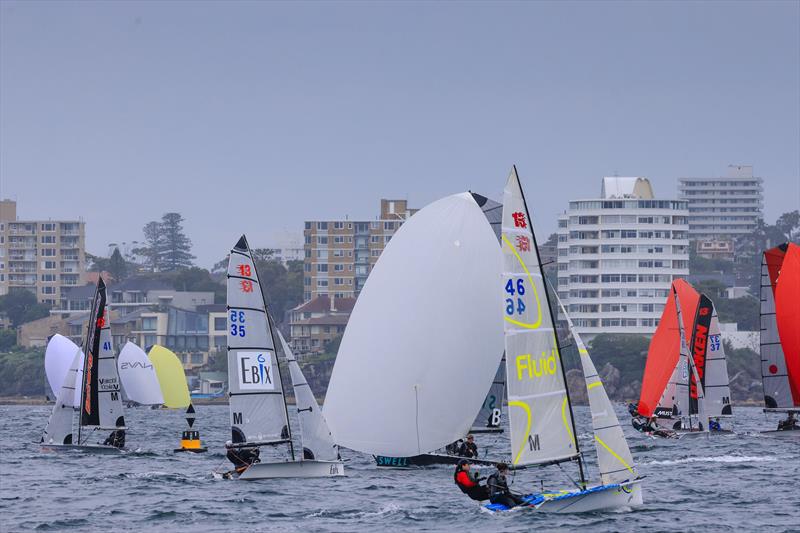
662	357
787	314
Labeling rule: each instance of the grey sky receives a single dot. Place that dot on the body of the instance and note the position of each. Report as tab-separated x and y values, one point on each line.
252	117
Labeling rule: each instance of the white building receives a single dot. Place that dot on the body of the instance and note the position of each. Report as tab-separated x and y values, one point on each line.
723	208
618	255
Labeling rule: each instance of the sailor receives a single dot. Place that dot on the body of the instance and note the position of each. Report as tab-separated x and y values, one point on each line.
713	425
242	458
468	448
468	482
453	447
789	424
498	488
116	439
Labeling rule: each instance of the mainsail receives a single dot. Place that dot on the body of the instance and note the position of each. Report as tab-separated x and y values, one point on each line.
540	414
138	376
59	426
257	405
787	315
774	371
424	339
491	414
614	459
716	383
171	377
316	437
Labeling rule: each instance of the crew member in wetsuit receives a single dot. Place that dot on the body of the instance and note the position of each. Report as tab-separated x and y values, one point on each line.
468	448
242	458
789	424
116	439
714	425
498	488
469	483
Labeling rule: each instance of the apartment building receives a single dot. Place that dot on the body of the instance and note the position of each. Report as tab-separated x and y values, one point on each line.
723	208
313	324
339	254
618	255
42	256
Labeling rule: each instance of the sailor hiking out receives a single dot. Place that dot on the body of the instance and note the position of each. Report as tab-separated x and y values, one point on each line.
469	482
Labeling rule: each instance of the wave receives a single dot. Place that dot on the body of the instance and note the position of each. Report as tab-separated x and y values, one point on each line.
716	459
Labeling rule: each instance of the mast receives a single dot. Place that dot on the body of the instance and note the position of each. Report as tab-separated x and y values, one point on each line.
278	371
555	336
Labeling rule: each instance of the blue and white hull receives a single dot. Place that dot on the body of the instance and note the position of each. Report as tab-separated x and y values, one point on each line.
601	497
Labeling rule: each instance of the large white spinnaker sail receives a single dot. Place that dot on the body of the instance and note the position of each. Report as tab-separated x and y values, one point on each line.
59	427
138	376
257	405
424	339
58	357
540	415
316	437
614	459
717	387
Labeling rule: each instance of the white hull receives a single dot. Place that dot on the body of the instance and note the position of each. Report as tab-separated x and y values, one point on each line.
85	448
627	495
789	433
293	469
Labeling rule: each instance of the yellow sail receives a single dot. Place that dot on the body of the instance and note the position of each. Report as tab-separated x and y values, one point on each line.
171	377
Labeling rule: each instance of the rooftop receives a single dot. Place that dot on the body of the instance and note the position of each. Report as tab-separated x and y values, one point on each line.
322	304
632	187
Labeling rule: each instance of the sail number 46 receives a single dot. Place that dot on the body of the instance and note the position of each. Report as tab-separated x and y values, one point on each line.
515	288
237	324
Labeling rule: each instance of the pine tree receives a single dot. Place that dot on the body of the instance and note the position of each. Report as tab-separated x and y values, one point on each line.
176	252
117	266
154	246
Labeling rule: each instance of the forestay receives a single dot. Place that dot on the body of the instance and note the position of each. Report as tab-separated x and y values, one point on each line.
775	377
58	357
424	339
258	411
138	376
614	459
540	417
59	426
316	437
171	377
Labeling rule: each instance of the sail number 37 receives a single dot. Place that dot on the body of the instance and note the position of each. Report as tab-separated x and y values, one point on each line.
515	288
237	324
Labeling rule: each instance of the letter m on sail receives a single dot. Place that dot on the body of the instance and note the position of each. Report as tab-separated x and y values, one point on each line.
237	418
533	442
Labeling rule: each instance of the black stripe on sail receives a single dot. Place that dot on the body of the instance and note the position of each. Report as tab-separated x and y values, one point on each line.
254	280
245	309
607	427
241	244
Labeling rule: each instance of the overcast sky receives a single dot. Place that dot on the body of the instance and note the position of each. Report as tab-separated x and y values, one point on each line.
255	116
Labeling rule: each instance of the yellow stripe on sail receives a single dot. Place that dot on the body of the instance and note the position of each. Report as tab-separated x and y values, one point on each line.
527	427
171	377
538	322
593	385
566	424
612	452
583	351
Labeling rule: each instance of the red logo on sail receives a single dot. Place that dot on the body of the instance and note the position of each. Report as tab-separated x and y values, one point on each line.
246	285
244	270
519	220
523	243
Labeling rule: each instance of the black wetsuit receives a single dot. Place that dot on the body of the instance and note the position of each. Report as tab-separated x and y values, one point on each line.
788	425
499	492
116	439
468	449
471	485
243	458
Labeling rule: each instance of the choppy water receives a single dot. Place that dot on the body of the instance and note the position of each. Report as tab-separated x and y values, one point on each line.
745	482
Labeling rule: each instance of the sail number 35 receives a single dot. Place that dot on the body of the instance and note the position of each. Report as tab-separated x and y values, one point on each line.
237	324
515	288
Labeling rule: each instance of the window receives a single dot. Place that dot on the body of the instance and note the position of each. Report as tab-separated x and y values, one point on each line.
322	267
388	226
197	359
338	281
48	227
322	240
375	253
387	238
338	253
48	252
338	225
338	268
45	277
49	265
322	254
338	239
48	290
322	226
375	239
48	239
322	283
149	323
220	323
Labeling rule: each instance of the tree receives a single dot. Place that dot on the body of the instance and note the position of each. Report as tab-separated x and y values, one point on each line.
789	225
626	352
177	246
744	311
8	338
153	249
750	247
198	279
20	306
117	266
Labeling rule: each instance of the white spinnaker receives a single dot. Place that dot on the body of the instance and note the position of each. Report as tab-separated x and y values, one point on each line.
316	436
76	398
138	376
257	407
109	389
540	417
717	388
59	427
687	359
775	376
614	459
58	357
668	398
424	339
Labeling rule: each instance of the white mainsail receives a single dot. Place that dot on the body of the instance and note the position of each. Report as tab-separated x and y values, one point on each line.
109	387
138	376
257	406
424	339
717	388
59	426
540	417
614	459
58	357
316	437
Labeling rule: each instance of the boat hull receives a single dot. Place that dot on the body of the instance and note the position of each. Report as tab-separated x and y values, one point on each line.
426	459
599	498
84	448
788	433
290	469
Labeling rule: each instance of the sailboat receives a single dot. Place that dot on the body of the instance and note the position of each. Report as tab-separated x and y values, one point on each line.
100	406
259	414
685	382
541	422
780	335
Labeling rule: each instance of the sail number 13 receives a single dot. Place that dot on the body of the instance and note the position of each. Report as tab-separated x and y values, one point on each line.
237	324
515	287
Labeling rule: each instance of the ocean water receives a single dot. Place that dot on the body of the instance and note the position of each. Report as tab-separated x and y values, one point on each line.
742	482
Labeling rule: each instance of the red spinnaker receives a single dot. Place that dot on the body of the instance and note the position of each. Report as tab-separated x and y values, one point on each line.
662	357
787	315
